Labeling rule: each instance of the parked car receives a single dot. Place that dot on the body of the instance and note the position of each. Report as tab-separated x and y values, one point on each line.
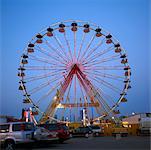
61	129
42	134
97	131
16	133
82	131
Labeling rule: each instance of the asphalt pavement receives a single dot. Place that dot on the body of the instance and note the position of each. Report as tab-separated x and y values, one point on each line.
101	143
94	143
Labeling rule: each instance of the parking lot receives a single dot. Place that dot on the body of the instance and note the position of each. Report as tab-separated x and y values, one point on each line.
100	143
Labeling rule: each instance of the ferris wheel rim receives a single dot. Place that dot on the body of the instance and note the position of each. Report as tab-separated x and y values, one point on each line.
66	21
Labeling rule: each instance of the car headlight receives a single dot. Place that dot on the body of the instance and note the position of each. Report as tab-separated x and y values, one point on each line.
35	133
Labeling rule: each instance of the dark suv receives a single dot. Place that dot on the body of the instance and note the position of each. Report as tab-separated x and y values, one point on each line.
82	131
61	129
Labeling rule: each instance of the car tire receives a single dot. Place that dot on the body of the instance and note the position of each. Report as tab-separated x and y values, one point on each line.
96	134
9	145
86	135
61	141
71	135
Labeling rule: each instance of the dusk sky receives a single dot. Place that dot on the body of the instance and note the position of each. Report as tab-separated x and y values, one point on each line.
127	20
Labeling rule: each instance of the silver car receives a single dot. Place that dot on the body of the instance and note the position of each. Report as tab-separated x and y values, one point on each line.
42	134
15	133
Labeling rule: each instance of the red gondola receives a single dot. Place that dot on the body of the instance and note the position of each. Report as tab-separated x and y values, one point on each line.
62	30
98	34
39	41
74	28
118	50
39	38
108	41
86	30
30	50
49	34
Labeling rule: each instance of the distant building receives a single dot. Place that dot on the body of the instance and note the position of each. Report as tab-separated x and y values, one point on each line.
133	119
138	118
143	120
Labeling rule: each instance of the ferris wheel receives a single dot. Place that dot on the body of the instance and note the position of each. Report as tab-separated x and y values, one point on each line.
70	66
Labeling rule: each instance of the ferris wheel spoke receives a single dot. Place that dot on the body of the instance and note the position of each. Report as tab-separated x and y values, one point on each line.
111	58
92	51
82	91
36	68
92	68
104	107
61	47
75	98
68	45
68	93
81	45
74	46
55	50
48	93
43	85
39	68
56	58
41	59
106	84
98	55
75	90
68	101
102	101
109	85
107	97
104	75
87	47
98	98
42	76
